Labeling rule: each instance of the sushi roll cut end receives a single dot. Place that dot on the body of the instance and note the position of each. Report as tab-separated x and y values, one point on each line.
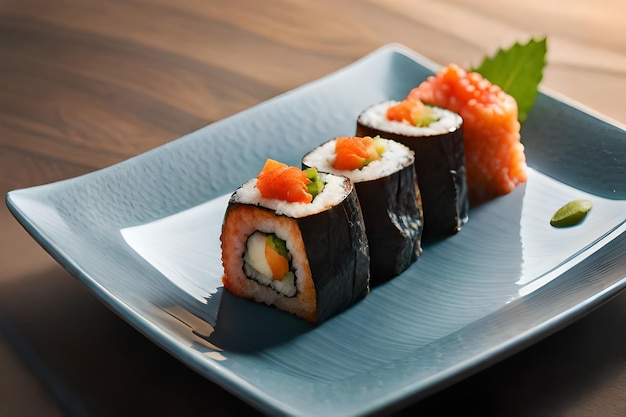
269	243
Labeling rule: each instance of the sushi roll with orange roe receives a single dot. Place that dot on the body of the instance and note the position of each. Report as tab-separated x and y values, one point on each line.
494	156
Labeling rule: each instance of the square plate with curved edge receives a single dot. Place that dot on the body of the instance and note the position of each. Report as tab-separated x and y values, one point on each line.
143	235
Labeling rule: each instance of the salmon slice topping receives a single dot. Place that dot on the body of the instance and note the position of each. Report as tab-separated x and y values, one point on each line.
411	111
282	182
356	152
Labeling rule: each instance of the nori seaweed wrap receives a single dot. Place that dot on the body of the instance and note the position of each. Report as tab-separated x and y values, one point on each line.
439	162
324	244
390	202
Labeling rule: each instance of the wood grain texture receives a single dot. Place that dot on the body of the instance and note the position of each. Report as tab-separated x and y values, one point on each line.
88	83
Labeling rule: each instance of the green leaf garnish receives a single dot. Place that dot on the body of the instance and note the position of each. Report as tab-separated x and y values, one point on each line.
518	71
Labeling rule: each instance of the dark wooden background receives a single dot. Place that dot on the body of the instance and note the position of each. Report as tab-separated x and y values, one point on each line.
88	83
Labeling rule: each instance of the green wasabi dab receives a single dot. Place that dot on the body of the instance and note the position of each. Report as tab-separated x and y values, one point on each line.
571	213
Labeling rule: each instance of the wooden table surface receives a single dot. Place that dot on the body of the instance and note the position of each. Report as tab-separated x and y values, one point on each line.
88	83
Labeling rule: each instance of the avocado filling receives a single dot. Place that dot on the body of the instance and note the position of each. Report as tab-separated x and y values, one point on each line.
379	146
425	118
316	186
267	261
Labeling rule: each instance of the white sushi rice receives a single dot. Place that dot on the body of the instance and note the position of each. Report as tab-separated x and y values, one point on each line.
395	157
285	286
335	190
376	117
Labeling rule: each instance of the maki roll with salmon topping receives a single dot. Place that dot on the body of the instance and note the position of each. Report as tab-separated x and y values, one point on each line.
435	136
494	155
384	178
277	248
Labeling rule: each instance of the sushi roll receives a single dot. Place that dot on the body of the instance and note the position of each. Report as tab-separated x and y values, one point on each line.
296	240
494	155
435	136
384	179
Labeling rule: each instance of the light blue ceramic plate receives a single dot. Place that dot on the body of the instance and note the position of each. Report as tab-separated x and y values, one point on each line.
143	236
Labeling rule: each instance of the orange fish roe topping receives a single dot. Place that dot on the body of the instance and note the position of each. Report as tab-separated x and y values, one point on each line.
279	181
494	157
355	152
